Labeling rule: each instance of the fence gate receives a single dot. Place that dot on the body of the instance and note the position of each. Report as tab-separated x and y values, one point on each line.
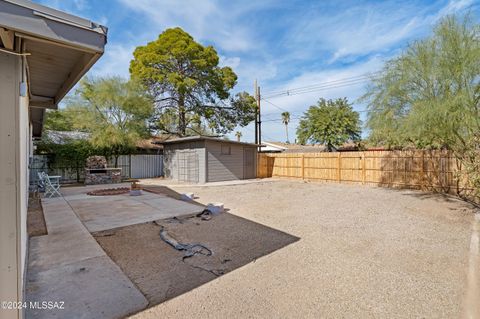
133	166
249	163
146	166
187	165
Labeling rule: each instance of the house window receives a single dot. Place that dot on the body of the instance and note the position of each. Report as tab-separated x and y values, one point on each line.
226	150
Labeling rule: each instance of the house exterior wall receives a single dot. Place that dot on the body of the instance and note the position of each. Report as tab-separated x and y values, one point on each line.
14	156
222	167
171	156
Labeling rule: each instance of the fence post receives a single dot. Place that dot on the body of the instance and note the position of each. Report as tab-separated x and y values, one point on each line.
303	166
129	165
339	168
422	173
363	168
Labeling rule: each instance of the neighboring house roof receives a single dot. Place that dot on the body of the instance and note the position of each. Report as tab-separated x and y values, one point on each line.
62	137
202	138
153	143
59	49
291	148
298	148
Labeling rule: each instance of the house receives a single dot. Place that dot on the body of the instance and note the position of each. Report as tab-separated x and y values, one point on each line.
43	54
63	137
279	147
153	145
200	159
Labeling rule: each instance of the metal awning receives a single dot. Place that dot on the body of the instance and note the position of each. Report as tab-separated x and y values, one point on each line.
60	49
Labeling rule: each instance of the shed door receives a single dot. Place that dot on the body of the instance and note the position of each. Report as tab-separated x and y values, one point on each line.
187	166
248	163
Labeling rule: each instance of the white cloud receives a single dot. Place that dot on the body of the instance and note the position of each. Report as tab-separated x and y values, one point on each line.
452	7
81	4
299	103
115	61
363	29
232	62
248	71
205	20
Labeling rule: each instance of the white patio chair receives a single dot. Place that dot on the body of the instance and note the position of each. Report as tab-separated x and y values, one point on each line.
40	182
52	186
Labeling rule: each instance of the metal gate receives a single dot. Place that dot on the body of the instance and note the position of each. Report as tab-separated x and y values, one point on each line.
248	163
146	166
187	165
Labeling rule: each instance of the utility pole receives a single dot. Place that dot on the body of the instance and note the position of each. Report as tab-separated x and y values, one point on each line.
255	92
258	117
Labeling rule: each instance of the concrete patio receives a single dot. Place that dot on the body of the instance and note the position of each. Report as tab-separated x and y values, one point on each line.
69	266
107	212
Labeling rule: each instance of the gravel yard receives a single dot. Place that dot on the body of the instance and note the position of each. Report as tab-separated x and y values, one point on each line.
362	252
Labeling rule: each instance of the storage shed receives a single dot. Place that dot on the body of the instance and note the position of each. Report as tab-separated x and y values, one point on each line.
200	159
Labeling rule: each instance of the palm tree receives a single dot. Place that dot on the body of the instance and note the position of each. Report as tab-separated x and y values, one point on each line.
238	134
286	120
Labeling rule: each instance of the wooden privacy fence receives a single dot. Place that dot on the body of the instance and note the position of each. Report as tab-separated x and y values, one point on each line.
429	170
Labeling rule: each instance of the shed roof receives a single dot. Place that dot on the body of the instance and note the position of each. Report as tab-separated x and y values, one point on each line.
204	138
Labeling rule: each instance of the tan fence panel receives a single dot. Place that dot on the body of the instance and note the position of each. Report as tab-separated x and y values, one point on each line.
430	170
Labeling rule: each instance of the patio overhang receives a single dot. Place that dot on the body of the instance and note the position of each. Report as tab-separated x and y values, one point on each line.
58	49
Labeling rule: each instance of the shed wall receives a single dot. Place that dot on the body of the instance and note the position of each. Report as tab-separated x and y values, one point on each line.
223	167
172	153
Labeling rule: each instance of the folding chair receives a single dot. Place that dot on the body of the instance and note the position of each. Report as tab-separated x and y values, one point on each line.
41	182
52	186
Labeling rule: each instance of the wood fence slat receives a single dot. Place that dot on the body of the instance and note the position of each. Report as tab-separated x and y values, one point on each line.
412	169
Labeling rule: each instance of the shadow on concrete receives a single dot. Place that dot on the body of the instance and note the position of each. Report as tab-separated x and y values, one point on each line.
161	272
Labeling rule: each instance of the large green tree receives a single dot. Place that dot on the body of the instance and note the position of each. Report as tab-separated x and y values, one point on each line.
429	96
330	122
189	86
61	119
114	111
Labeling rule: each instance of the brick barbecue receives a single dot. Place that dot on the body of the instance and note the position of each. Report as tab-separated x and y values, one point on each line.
97	172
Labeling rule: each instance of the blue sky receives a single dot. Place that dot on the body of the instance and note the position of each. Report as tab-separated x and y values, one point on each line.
282	44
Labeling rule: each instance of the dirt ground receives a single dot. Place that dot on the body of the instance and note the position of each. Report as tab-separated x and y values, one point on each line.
363	252
161	272
35	220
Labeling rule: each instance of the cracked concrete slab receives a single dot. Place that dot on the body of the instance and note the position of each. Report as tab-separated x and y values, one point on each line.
100	288
69	266
108	212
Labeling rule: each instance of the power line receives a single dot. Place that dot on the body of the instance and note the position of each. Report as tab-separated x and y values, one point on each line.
299	117
323	85
319	84
275	105
319	88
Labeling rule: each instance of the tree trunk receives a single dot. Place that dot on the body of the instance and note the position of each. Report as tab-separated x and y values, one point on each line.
286	131
182	125
116	160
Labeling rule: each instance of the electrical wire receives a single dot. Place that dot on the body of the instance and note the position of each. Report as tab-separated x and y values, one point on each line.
355	80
